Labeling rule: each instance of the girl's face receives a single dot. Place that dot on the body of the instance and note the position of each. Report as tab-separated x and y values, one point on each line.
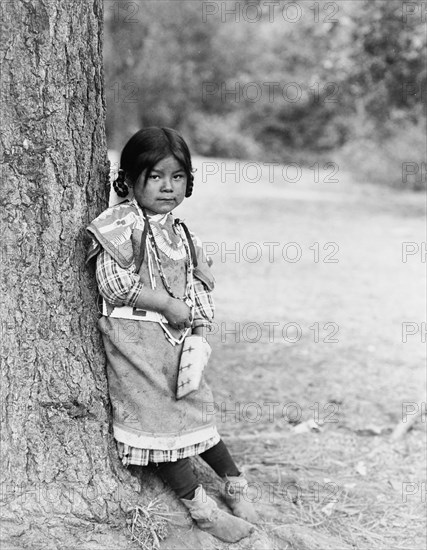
165	187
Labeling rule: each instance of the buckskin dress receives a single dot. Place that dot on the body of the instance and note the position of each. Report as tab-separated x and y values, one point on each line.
149	423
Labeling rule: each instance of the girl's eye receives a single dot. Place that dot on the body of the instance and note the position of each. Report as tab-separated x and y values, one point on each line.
179	176
154	177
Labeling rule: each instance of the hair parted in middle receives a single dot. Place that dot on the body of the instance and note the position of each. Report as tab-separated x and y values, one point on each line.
145	149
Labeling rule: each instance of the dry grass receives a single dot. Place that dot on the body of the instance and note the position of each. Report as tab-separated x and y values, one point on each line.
148	524
345	487
349	478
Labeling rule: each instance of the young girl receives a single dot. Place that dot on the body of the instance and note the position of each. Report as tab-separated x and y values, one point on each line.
156	285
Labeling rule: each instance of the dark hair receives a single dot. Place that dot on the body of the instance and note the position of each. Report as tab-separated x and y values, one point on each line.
145	149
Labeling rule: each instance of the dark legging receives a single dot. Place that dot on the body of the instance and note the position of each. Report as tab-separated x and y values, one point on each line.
180	477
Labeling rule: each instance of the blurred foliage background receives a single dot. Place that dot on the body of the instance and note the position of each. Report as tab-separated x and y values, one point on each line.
283	81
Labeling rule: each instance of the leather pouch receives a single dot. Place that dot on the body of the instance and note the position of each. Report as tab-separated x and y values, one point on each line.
194	358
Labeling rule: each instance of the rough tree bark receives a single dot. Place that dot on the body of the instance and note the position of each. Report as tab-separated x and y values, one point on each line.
61	483
59	470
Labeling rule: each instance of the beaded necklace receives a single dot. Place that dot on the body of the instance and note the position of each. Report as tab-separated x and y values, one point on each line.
188	265
188	297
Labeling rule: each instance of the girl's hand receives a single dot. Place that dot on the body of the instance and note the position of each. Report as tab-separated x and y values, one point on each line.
177	313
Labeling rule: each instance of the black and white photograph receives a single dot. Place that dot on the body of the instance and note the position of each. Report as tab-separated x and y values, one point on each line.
213	287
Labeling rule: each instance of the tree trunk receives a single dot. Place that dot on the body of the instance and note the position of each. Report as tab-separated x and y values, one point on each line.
59	468
62	485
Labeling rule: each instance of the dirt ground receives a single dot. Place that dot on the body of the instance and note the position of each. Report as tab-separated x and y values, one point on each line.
310	368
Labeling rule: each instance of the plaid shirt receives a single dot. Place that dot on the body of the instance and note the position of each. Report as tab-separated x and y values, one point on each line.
121	287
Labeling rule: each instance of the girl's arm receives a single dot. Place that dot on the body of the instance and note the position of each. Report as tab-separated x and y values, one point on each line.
203	285
204	309
118	286
176	312
123	287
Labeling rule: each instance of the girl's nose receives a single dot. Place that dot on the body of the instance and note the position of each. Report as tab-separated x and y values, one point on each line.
167	184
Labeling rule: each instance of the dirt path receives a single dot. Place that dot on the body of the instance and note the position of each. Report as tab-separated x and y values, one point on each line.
313	332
